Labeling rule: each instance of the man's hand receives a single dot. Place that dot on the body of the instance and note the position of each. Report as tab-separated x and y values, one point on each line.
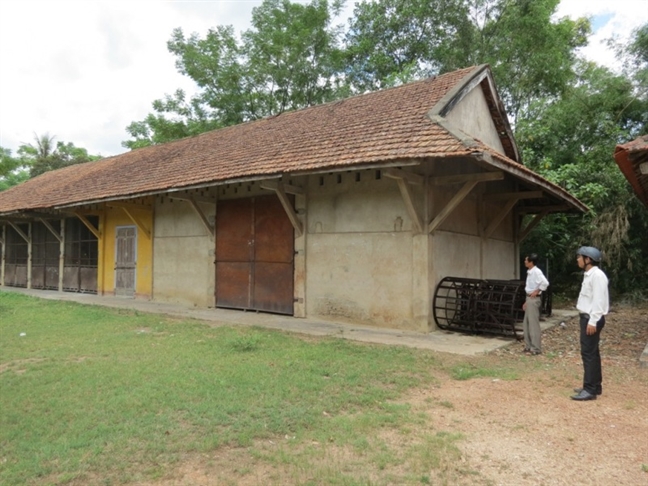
590	330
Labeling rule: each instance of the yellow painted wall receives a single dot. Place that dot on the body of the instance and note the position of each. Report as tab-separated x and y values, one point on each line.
111	218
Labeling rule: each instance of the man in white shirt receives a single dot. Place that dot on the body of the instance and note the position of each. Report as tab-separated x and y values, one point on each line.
536	283
593	305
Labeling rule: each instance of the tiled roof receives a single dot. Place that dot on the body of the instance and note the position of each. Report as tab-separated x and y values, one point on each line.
377	127
629	157
374	127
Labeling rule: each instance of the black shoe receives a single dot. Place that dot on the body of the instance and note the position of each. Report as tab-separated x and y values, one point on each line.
578	390
583	395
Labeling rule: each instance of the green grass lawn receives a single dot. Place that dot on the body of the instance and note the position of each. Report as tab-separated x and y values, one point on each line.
90	395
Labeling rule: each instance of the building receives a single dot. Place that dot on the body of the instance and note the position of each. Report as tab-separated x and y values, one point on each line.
632	159
352	210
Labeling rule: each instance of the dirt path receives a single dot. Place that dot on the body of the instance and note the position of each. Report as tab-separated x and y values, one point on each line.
528	431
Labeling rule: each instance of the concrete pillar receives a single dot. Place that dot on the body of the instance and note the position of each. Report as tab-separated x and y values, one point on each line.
299	285
421	293
61	255
29	256
4	254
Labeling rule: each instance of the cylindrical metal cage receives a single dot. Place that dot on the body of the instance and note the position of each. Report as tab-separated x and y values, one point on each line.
479	306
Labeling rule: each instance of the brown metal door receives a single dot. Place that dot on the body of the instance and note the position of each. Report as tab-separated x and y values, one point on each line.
254	255
125	260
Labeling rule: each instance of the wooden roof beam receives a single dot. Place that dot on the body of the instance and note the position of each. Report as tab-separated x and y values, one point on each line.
201	214
499	217
469	182
462	178
512	199
138	222
56	234
499	196
20	232
404	179
88	224
129	206
281	189
200	199
532	224
558	208
288	189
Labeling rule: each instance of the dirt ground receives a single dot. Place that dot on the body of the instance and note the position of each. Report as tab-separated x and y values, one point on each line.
528	431
525	431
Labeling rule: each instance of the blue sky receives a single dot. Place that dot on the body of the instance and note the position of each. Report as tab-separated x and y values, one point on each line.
600	21
83	70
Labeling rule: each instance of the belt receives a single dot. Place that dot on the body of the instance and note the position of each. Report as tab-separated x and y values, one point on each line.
583	315
539	294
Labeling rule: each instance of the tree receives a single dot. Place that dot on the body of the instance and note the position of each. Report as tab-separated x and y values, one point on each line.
635	55
391	41
44	156
12	171
531	55
287	60
570	140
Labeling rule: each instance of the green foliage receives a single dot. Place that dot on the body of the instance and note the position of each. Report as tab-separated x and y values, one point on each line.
289	59
12	171
391	41
570	141
530	53
44	156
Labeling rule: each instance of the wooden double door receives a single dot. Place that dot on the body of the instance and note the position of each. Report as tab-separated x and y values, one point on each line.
254	255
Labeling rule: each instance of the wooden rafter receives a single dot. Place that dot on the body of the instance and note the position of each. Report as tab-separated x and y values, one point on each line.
452	204
408	176
404	179
129	206
541	209
56	234
186	197
469	182
281	189
462	178
532	224
138	222
19	231
499	217
512	199
194	204
88	225
499	196
287	188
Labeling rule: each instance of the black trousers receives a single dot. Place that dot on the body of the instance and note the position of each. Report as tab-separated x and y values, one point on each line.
592	376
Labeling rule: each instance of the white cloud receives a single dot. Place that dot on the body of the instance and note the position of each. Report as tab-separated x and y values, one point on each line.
624	17
83	70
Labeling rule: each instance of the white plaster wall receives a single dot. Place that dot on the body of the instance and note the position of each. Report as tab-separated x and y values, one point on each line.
361	255
454	255
365	277
183	252
464	218
499	260
457	249
471	116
